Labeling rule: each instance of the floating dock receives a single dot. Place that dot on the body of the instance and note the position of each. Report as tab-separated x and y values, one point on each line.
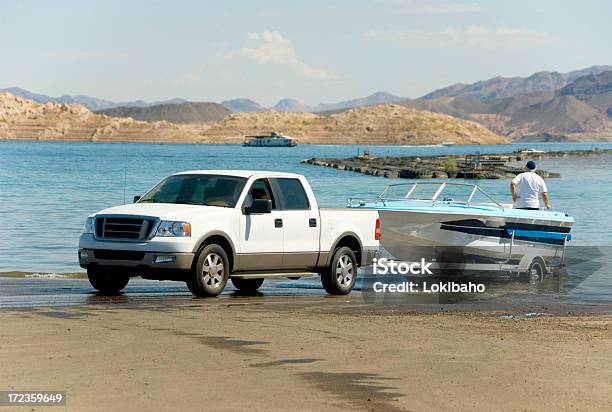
471	166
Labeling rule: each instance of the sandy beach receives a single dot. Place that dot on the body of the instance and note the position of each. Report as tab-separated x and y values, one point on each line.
304	353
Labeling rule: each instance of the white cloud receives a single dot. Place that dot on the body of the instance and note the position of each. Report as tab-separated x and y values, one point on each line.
470	36
272	47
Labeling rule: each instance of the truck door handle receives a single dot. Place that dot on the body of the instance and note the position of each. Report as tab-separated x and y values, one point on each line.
312	222
278	222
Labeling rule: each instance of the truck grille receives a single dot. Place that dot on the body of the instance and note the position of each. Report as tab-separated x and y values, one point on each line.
123	228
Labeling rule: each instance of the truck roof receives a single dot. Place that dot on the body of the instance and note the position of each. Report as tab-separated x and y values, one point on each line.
238	173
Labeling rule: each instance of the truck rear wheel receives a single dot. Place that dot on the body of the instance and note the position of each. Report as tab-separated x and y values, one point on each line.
210	273
339	278
107	281
247	285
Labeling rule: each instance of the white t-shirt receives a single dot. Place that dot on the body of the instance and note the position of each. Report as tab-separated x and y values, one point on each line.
529	186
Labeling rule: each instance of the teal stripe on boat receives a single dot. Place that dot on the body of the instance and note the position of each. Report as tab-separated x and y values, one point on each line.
539	234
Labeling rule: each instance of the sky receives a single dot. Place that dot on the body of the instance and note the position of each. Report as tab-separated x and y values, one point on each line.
315	51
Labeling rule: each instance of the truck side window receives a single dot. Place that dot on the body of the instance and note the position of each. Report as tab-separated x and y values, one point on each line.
260	189
292	194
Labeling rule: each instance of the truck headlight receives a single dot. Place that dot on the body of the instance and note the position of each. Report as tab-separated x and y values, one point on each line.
169	228
90	225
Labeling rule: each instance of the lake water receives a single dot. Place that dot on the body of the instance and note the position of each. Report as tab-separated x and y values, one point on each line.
48	188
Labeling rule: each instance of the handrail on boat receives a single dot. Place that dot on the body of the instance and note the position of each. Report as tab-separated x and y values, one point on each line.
442	186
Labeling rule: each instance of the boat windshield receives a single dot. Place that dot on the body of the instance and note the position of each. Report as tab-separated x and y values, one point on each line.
432	191
197	189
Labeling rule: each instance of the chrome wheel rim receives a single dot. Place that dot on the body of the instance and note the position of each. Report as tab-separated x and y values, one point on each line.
345	271
213	270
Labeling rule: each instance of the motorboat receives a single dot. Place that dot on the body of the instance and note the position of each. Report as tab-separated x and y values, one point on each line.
418	219
274	139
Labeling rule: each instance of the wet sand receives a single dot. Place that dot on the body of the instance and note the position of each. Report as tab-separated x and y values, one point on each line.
303	352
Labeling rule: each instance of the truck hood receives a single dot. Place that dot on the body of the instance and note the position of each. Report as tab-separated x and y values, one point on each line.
164	211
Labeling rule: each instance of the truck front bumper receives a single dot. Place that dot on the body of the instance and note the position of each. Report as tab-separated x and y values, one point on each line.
141	261
163	253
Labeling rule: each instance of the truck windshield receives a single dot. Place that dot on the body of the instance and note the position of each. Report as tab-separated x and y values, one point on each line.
197	189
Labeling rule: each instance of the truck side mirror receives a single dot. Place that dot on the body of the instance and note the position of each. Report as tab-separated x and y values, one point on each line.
259	206
136	199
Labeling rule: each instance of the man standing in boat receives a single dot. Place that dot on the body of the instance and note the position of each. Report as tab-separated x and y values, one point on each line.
527	187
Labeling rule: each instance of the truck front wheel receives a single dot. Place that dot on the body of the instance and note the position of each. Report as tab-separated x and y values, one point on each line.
247	285
107	281
210	273
339	278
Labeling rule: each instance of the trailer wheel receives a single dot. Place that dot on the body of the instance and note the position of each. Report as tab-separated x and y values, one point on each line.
107	281
340	276
537	268
211	271
247	285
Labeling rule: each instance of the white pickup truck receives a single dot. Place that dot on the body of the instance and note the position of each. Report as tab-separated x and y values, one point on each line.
205	227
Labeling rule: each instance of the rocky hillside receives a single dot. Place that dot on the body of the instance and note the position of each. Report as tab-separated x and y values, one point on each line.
500	87
92	103
580	110
173	113
24	119
382	124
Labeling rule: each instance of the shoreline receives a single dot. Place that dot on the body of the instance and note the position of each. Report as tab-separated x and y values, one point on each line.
340	357
43	274
45	290
576	142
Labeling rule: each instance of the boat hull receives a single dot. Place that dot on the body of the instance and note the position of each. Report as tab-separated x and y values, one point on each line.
461	238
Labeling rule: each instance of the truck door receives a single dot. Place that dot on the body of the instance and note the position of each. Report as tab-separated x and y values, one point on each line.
300	224
261	235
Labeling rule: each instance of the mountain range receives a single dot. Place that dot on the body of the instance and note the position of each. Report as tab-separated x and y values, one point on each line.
543	106
380	124
292	105
92	103
234	105
500	87
576	105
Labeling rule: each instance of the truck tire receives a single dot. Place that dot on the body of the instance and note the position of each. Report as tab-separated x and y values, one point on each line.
247	285
210	273
107	281
339	278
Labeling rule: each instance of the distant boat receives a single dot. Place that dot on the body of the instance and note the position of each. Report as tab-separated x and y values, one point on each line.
274	139
532	151
447	143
